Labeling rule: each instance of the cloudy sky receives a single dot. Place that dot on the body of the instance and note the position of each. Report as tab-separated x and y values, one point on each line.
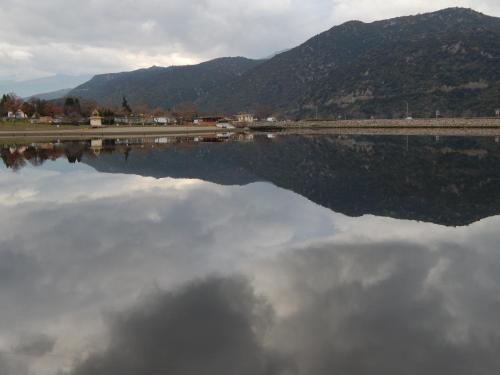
41	38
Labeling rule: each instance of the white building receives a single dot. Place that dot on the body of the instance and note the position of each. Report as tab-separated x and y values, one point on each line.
20	115
95	119
163	120
245	117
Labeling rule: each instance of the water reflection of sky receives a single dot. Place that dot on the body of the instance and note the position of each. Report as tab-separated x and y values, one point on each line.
122	274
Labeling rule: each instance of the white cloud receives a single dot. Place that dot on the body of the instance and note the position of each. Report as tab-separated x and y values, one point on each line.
57	36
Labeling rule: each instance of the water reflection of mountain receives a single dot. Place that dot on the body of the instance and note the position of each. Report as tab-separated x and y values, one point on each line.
451	181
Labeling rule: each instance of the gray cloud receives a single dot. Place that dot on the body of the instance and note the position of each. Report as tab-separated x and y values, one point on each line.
34	345
57	36
211	327
12	366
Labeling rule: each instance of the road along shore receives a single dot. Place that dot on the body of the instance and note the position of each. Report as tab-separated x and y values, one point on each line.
451	123
111	132
475	126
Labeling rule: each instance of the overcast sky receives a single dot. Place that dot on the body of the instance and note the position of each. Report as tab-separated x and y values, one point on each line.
41	38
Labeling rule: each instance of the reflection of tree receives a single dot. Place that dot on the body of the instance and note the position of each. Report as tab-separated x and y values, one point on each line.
16	157
13	159
74	152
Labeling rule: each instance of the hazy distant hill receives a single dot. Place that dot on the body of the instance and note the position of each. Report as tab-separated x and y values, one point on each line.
164	87
50	84
53	94
447	60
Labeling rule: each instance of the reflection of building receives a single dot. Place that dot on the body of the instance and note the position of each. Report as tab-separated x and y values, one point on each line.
245	117
245	137
96	146
95	119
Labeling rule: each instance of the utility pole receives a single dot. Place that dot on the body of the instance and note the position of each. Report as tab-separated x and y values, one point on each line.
407	109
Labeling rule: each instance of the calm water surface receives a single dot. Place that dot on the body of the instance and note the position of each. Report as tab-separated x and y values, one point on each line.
251	255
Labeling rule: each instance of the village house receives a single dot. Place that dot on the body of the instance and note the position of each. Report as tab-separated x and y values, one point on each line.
58	119
497	112
95	119
225	123
129	120
163	120
19	115
207	120
245	118
45	120
37	119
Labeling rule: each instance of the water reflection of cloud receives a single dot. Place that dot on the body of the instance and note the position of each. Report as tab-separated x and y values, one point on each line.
372	309
329	293
214	326
359	310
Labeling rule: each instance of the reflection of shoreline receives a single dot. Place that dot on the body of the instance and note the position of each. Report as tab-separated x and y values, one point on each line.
449	132
15	153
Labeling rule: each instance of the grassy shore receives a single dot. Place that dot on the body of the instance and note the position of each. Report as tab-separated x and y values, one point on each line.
20	125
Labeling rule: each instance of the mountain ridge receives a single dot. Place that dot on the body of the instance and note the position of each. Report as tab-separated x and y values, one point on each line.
163	87
447	61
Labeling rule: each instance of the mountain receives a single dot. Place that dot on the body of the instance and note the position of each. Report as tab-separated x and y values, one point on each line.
29	88
447	60
52	95
164	87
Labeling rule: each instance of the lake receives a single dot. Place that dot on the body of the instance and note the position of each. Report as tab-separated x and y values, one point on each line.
250	254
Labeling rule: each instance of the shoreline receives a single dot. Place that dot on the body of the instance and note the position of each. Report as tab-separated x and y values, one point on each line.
465	127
